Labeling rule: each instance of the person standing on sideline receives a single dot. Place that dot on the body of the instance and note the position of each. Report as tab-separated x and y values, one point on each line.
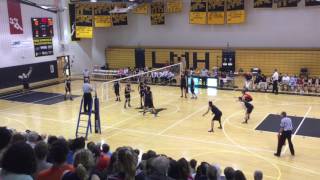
204	76
275	79
217	115
285	132
193	94
87	97
86	74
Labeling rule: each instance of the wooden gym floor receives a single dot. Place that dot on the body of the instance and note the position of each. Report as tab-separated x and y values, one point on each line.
181	131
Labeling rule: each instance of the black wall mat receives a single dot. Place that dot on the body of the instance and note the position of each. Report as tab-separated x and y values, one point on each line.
40	72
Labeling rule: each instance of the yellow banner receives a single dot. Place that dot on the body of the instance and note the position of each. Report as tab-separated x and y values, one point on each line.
84	32
174	6
157	19
235	12
102	21
236	17
84	21
198	17
141	9
157	13
119	19
215	17
102	16
216	14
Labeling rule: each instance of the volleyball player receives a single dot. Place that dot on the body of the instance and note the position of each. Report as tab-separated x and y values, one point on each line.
127	91
148	102
194	96
116	87
246	96
68	88
249	108
183	85
217	115
141	89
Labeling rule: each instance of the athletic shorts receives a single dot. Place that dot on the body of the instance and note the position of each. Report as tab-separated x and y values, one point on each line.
127	96
148	105
183	86
192	90
117	93
68	88
217	117
249	110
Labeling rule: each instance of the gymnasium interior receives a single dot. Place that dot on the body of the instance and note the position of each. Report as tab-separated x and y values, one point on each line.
166	60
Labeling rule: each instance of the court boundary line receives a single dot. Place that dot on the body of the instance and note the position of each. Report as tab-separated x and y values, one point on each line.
254	128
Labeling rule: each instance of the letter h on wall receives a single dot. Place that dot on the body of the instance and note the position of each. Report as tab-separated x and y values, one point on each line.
196	60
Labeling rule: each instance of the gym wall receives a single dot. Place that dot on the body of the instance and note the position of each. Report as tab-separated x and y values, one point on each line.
14	55
288	61
264	28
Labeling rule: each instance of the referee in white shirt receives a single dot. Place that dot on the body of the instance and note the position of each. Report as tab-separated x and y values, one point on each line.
275	79
285	132
87	97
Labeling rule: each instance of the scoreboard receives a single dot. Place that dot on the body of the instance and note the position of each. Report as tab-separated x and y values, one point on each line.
42	27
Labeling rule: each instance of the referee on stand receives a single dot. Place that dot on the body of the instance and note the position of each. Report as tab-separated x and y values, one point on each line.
285	132
87	97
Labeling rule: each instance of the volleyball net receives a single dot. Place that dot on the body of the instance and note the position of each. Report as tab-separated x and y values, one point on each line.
166	76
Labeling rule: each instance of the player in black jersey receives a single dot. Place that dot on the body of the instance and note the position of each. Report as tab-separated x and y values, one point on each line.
148	102
183	85
141	89
127	96
68	88
194	96
217	115
249	108
116	87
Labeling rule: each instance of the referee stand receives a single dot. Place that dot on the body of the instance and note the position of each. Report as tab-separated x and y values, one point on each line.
84	119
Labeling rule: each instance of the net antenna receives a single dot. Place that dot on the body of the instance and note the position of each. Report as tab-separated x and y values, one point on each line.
168	75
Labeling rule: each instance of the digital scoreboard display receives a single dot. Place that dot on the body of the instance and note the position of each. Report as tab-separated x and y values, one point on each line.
42	27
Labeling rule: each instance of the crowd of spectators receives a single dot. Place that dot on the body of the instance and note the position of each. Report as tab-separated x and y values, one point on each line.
287	83
27	156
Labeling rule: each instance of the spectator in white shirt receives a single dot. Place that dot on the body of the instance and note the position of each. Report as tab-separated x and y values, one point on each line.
204	76
285	132
86	74
275	79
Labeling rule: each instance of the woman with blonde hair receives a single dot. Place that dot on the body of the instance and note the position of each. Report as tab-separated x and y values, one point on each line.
84	165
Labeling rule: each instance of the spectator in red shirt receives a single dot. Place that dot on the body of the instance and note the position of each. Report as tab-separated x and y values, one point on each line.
58	152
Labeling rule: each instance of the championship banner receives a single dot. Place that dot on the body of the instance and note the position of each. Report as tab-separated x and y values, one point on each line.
102	17
72	17
141	9
263	3
198	12
119	19
157	13
312	3
14	14
84	21
174	6
235	12
287	3
216	11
